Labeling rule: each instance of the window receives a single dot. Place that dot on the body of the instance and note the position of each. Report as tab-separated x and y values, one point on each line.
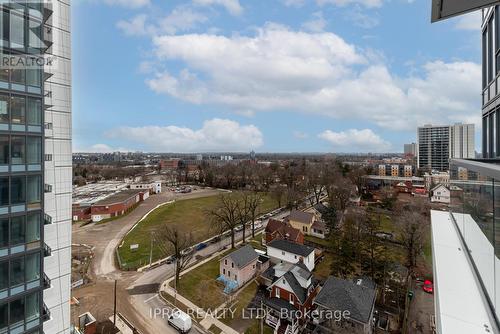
4	191
34	190
33	227
228	273
17	230
18	76
18	110
225	262
17	311
17	271
4	232
4	75
283	253
235	277
18	147
17	190
33	77
4	150
291	299
33	267
223	271
32	306
277	292
4	109
16	29
232	265
295	256
34	150
4	275
4	317
34	114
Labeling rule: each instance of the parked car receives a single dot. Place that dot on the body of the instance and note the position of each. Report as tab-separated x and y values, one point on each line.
428	287
215	239
200	246
170	260
238	228
187	251
180	321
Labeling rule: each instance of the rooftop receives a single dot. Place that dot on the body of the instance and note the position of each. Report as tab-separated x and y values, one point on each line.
119	197
241	257
356	296
301	216
291	247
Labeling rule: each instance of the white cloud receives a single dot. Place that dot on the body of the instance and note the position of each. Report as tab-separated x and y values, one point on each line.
354	140
314	73
215	135
342	3
316	24
182	18
134	27
128	3
101	148
470	21
232	6
363	20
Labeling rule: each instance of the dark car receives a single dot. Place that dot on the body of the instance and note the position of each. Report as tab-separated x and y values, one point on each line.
200	246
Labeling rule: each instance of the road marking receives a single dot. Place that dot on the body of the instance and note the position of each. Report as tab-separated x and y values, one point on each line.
150	298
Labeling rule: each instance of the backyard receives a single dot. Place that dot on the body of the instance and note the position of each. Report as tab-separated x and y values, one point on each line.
190	216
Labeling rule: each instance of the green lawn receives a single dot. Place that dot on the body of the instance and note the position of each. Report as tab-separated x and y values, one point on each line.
324	268
200	286
318	241
190	216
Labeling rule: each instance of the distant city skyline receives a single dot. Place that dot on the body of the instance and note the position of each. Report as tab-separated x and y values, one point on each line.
280	76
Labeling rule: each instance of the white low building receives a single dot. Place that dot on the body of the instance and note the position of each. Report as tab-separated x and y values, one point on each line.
281	251
154	187
440	194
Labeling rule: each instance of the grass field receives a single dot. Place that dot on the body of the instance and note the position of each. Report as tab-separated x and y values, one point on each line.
200	286
324	268
190	216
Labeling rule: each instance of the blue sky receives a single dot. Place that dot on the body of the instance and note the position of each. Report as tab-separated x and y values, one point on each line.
268	75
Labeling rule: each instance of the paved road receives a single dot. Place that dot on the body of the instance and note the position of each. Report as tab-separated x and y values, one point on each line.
137	292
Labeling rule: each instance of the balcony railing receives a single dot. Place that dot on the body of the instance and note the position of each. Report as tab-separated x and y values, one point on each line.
45	313
47	251
47	220
475	209
46	281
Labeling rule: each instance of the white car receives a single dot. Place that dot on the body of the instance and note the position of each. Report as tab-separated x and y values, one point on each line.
180	321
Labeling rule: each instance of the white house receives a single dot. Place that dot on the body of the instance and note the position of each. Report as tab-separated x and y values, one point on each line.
440	194
280	251
154	187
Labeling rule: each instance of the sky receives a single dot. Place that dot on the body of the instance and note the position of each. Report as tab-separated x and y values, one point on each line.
268	75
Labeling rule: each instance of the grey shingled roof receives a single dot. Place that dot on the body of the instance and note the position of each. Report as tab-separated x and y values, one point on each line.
348	295
297	289
291	247
301	216
241	257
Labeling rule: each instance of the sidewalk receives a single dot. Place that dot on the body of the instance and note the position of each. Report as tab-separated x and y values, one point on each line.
209	319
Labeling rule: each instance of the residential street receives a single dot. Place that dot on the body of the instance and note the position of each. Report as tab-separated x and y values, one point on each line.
137	291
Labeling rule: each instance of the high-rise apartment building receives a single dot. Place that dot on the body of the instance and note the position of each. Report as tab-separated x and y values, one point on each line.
438	144
35	166
410	149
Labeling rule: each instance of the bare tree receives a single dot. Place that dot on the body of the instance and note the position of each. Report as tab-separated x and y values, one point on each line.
253	202
226	214
243	209
277	193
412	233
388	197
314	181
178	243
339	190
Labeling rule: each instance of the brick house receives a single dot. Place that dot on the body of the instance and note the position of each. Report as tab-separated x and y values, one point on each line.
276	229
291	296
117	204
240	266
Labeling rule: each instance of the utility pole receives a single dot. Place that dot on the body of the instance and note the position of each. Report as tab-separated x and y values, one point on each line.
151	250
114	308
